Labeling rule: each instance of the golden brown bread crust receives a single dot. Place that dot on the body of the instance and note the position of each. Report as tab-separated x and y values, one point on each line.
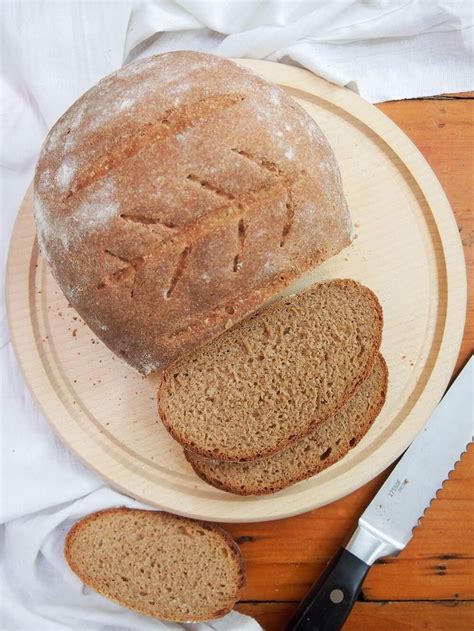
199	463
177	196
167	378
232	546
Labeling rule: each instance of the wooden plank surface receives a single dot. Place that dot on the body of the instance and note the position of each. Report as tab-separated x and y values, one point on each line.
443	130
284	557
392	616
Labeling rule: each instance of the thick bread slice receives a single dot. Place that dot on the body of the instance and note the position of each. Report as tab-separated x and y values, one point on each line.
323	447
270	380
156	563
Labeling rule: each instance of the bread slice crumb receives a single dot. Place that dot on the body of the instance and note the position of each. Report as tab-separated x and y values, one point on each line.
320	449
159	564
308	353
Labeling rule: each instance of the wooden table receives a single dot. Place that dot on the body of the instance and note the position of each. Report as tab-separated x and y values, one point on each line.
430	585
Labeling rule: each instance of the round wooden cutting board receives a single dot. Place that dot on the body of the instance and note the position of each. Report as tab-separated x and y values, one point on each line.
407	250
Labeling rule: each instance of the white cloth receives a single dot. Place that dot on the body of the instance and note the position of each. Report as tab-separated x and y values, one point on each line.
40	593
51	52
383	49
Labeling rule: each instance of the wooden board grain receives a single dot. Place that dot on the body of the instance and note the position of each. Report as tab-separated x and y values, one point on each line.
443	130
389	616
407	250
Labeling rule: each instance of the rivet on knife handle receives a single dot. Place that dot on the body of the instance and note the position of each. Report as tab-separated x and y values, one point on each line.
387	524
332	597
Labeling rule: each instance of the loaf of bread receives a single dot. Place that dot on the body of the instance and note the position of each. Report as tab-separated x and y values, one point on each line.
324	446
277	375
156	563
178	195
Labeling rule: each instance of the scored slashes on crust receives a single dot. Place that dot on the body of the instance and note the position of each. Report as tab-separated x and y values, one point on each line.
179	194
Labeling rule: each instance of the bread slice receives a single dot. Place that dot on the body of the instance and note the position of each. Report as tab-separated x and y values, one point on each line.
273	378
156	563
317	451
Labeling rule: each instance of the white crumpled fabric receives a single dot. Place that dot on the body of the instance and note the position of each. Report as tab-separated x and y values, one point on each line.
51	52
40	593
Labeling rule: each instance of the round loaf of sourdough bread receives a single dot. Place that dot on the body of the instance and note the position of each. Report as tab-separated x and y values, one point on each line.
178	195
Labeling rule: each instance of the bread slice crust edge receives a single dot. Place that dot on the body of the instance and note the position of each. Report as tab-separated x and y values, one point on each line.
283	444
236	490
227	539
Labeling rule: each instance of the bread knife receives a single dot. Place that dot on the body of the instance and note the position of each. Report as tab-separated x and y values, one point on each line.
387	524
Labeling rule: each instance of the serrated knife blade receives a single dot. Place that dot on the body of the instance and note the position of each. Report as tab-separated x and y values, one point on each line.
387	525
408	491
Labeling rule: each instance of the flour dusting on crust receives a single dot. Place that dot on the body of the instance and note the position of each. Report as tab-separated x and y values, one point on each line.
91	215
65	174
180	190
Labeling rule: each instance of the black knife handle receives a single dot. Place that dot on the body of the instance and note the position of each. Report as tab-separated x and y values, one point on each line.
332	597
